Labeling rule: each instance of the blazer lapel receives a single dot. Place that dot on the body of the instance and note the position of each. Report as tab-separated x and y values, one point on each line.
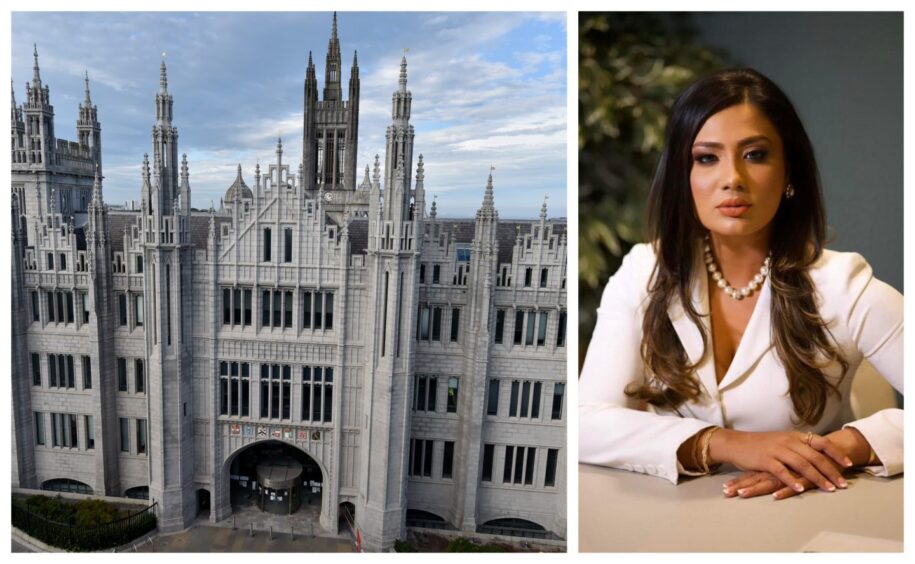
689	333
756	340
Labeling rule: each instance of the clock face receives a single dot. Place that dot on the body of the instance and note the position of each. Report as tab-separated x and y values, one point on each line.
328	197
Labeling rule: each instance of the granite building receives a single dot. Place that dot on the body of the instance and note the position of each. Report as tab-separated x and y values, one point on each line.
411	367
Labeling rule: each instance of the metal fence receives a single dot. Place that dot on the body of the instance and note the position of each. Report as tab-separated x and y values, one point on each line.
76	538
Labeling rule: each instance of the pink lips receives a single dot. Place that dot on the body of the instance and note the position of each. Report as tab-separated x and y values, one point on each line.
734	207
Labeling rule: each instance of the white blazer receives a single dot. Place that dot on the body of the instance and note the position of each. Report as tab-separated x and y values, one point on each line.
865	317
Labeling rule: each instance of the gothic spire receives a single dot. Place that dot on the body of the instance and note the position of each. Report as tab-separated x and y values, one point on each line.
543	209
487	196
434	211
163	78
36	74
355	59
376	173
403	73
88	100
333	29
97	189
13	101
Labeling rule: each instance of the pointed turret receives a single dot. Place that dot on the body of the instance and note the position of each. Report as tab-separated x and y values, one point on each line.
38	115
88	99
36	72
399	135
366	180
87	126
165	150
332	89
163	77
419	194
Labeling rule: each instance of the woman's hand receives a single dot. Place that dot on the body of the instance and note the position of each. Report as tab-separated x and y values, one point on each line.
751	484
789	457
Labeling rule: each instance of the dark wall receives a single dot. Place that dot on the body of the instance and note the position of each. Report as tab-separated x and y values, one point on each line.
844	73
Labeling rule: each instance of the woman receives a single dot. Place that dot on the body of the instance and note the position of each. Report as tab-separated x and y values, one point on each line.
734	336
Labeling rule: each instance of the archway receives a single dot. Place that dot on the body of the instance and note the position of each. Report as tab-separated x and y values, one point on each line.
514	527
66	485
278	478
138	492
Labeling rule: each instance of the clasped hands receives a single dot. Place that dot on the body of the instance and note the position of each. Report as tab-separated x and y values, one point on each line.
785	464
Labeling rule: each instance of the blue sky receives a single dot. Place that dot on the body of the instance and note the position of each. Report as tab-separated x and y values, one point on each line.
488	88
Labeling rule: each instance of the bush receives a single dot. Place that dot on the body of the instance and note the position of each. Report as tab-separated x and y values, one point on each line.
94	512
404	546
463	545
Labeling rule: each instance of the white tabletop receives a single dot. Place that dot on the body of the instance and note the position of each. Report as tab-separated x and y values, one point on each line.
623	511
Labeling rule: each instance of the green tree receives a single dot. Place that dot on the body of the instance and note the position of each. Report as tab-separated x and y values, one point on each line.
631	68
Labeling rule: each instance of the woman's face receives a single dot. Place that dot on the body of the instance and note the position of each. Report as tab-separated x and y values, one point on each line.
738	172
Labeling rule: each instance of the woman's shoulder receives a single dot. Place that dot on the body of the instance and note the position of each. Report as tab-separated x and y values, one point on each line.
838	273
629	284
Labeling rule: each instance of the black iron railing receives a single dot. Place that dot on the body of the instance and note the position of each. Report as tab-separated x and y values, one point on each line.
76	538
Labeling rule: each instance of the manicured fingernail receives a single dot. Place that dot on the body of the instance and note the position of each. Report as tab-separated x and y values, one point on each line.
741	492
777	495
798	488
831	487
847	461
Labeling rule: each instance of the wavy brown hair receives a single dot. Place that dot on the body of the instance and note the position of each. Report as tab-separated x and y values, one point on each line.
802	339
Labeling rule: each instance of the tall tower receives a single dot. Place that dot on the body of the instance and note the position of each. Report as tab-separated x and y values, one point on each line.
166	240
399	135
395	236
39	119
331	125
88	128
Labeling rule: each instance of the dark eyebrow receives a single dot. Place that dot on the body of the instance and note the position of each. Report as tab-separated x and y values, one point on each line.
741	143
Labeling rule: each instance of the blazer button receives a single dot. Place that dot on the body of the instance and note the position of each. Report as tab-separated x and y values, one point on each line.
638	468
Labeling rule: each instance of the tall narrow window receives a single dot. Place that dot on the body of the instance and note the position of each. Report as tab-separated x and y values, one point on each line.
52	370
36	369
427	459
122	374
525	397
50	298
138	312
528	275
87	373
558	391
275	391
513	404
223	388
287	309
328	393
139	264
286	392
422	273
552	455
318	318
306	310
50	261
329	310
125	434
141	436
422	323
561	330
455	324
122	310
168	304
139	376
529	466
507	467
318	376
500	324
493	400
68	297
544	275
519	463
90	432
245	388
287	245
447	459
265	308
265	390
267	245
531	318
247	294
306	393
36	314
236	306
519	326
84	298
63	262
437	324
436	273
487	462
39	428
452	395
277	304
541	328
535	400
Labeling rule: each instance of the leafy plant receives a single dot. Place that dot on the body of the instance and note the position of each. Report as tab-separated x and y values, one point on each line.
631	68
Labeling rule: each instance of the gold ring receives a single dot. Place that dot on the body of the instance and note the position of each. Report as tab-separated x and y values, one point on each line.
809	438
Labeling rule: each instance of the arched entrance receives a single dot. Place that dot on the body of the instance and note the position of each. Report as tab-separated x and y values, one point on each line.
275	477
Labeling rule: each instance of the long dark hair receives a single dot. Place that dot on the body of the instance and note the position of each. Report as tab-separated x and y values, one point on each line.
801	337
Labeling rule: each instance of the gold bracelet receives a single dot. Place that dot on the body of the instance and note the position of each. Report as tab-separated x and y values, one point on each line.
706	439
873	459
697	450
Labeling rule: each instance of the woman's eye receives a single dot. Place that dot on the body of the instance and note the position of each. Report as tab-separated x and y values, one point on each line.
705	158
757	155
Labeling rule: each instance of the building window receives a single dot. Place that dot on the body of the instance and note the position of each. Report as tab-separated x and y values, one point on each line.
531	320
87	373
234	388
276	393
519	326
139	264
436	273
492	407
529	395
267	244
422	273
226	306
125	433
436	324
63	262
447	459
422	323
122	310
63	430
541	328
487	462
500	324
558	391
50	261
455	324
276	308
36	316
528	276
317	392
452	395
552	456
287	309
504	278
138	309
60	306
122	374
425	389
247	307
421	456
544	275
287	245
141	436
561	330
84	300
60	371
519	465
139	376
90	432
36	369
39	428
317	310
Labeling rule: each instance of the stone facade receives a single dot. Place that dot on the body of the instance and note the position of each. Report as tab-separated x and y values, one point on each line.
152	346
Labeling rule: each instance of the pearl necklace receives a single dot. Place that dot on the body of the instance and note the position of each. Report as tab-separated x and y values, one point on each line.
723	284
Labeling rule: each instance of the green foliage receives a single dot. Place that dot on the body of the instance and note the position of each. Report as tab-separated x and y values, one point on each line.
631	67
404	546
463	545
87	525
